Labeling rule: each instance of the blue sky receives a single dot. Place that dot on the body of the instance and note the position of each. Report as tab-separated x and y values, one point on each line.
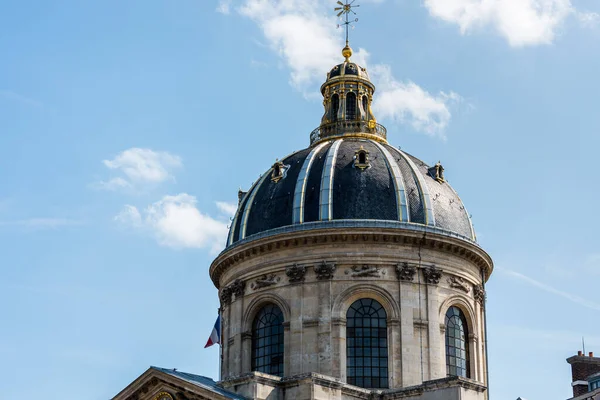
126	129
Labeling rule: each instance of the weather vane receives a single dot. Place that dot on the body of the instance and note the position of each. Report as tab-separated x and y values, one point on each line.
346	9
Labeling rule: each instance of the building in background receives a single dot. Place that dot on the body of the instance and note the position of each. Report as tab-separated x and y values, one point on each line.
351	271
585	372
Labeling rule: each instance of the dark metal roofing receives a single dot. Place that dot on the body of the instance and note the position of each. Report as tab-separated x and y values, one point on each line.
322	183
200	381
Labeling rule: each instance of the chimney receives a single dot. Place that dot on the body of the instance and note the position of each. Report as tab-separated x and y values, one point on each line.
582	367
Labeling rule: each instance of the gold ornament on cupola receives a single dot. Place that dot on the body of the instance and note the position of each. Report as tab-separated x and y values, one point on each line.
348	94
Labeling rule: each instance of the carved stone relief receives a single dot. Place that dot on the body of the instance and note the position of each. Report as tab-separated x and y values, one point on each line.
296	273
365	271
325	270
456	282
238	287
265	281
226	295
432	275
406	272
479	294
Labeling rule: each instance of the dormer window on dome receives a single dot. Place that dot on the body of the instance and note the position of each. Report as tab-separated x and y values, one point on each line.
437	172
361	158
278	171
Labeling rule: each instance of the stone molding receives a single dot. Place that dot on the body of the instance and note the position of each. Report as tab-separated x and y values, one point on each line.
239	253
421	323
307	323
350	390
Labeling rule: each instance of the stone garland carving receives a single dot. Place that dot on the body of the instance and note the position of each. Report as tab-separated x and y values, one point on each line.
365	271
479	294
226	295
432	275
237	287
325	270
406	272
296	273
265	281
457	282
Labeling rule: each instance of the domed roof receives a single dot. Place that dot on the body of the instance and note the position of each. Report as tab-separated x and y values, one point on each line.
348	68
350	181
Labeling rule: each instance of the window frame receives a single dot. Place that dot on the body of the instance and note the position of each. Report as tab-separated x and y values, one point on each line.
367	344
456	340
268	340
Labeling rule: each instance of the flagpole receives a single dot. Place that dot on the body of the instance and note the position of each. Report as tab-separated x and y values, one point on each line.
220	345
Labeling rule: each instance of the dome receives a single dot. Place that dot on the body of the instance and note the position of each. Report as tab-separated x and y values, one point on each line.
349	176
350	181
348	68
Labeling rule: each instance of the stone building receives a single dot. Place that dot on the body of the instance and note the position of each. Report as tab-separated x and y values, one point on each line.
585	373
351	271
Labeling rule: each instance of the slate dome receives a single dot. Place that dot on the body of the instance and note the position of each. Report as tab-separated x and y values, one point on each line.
349	176
325	185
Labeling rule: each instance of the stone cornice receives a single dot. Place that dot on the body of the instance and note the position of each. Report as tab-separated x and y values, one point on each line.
270	244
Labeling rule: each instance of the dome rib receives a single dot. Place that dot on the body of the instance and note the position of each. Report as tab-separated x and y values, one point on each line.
398	184
326	195
423	189
298	213
246	213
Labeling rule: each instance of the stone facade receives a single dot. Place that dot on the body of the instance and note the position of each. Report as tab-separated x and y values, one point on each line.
362	264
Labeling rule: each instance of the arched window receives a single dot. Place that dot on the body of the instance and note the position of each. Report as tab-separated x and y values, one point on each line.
366	344
267	341
351	106
457	345
365	104
335	105
362	157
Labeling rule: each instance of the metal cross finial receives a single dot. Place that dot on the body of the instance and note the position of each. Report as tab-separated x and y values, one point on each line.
346	9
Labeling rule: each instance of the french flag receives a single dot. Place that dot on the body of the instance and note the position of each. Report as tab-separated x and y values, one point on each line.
215	335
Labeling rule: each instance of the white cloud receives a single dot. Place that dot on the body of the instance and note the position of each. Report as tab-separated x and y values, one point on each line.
176	222
301	33
144	165
227	209
520	22
304	35
588	19
540	285
112	184
224	7
408	102
139	167
130	215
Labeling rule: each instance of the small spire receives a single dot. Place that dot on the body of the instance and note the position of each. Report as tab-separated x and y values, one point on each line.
346	9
